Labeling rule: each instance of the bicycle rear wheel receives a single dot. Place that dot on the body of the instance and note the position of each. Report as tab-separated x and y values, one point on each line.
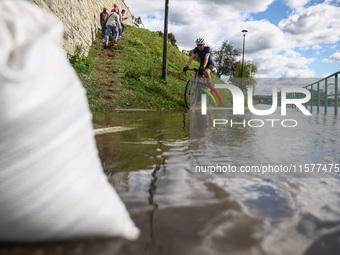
191	94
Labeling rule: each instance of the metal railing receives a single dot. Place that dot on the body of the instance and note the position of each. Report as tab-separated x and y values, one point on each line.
321	97
326	82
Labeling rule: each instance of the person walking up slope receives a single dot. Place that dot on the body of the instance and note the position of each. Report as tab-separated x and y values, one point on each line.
122	19
112	24
102	22
115	7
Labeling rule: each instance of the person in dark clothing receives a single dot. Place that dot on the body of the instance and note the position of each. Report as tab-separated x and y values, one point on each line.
102	21
206	62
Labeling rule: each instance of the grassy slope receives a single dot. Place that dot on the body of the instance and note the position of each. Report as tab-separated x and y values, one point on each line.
128	75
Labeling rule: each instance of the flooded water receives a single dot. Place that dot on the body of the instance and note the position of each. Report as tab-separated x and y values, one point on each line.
180	211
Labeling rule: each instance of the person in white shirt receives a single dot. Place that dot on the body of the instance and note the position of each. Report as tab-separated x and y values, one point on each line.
112	25
122	18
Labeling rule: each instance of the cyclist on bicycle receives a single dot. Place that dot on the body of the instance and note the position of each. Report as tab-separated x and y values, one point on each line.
206	62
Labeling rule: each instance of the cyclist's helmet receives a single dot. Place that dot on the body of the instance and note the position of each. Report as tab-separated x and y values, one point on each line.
200	41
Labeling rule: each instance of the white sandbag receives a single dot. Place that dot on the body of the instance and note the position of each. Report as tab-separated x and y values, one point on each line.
52	186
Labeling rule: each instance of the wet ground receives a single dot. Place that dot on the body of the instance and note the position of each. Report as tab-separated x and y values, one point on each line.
180	212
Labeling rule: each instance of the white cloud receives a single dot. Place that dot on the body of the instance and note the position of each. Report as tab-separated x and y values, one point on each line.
334	46
316	47
333	58
263	36
285	65
314	25
296	4
240	5
304	48
300	73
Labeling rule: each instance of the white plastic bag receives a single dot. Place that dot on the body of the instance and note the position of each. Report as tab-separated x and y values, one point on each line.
52	185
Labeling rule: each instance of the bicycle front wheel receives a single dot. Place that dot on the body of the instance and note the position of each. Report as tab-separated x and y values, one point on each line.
191	94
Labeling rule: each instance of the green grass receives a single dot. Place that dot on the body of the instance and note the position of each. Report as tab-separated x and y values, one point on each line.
81	64
129	75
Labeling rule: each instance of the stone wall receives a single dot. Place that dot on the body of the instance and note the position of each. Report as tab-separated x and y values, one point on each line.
80	19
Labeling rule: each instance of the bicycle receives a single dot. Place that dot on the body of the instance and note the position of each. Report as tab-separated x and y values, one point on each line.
194	89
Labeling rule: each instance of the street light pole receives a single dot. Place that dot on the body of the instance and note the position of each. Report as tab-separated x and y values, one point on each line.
244	41
165	42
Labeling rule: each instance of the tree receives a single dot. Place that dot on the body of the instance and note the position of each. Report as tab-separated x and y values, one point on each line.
249	71
171	38
225	59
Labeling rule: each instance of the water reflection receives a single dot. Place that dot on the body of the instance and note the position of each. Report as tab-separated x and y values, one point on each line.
255	140
179	212
238	216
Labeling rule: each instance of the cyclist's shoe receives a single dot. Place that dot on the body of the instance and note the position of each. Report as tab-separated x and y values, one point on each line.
185	68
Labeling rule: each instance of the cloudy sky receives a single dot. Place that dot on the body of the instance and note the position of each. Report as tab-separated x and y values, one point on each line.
286	38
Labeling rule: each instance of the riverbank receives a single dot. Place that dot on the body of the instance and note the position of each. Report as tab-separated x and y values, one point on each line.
128	75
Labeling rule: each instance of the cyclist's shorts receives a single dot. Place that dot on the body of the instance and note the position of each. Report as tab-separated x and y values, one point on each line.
211	66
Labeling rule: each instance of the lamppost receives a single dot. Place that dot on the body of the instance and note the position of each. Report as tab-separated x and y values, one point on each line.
244	41
165	41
